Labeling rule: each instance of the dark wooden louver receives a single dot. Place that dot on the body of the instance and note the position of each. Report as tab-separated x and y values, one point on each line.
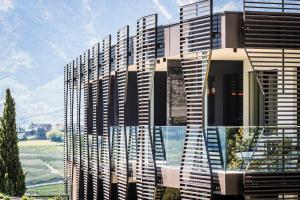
95	64
66	155
146	46
106	173
195	51
272	43
77	129
70	137
122	173
86	129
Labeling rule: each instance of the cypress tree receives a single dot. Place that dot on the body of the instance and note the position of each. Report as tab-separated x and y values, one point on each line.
14	178
2	175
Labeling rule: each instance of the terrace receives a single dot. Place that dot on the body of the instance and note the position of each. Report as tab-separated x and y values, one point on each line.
230	150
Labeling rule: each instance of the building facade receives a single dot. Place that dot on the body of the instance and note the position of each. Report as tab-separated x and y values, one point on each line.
209	107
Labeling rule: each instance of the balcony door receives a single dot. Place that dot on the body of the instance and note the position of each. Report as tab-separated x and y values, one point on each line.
233	99
225	94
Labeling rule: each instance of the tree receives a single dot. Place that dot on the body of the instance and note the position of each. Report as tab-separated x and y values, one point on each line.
2	174
55	136
14	177
41	134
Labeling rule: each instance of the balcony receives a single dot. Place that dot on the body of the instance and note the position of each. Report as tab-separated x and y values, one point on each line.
229	149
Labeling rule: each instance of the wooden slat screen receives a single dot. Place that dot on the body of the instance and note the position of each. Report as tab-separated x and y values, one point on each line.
195	50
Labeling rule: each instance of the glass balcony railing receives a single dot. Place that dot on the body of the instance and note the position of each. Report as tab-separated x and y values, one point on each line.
263	149
229	148
173	137
168	142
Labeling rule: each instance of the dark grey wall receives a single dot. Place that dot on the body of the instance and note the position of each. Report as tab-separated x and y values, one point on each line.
232	32
160	99
131	107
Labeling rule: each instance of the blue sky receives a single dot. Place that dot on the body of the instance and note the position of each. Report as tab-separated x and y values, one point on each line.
38	37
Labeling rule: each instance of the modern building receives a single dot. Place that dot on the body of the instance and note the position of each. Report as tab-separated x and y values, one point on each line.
209	107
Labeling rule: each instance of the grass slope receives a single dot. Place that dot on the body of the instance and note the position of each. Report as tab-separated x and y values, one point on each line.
42	160
57	189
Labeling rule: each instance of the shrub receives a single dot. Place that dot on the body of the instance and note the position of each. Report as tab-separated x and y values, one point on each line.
55	136
4	197
171	193
41	134
27	198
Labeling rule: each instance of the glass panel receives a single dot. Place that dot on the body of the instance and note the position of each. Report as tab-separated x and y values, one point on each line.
255	102
173	139
90	144
233	99
113	145
225	94
235	146
81	143
230	148
99	148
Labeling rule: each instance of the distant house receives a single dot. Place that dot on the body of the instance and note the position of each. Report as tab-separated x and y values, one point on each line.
38	130
29	132
21	134
36	127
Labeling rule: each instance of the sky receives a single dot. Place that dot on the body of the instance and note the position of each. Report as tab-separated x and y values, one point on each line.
39	37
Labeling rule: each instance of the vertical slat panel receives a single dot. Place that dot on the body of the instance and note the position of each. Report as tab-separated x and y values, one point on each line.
132	148
100	123
122	75
66	155
77	138
70	137
85	150
146	60
195	50
95	132
105	142
272	43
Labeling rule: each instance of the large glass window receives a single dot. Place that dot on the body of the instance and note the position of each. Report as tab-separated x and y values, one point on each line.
225	94
233	99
